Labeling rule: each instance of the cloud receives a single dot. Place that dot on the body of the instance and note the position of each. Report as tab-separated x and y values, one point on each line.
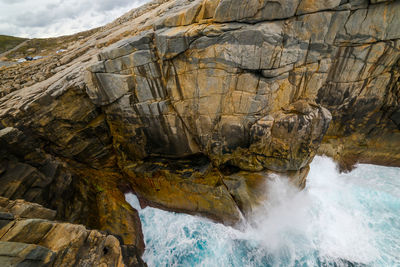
45	18
11	2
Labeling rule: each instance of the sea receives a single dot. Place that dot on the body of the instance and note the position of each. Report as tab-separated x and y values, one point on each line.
339	219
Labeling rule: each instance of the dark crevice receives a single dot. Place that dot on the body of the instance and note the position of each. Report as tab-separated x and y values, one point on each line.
229	169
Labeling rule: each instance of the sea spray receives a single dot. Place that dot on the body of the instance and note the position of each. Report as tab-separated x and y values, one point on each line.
348	219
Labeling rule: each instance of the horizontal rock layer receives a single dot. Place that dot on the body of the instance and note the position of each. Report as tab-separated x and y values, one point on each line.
80	194
30	238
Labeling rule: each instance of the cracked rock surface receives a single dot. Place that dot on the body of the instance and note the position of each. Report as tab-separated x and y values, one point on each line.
192	104
29	237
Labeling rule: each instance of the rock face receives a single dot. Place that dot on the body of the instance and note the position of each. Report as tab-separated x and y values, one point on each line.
254	96
193	104
30	238
194	85
79	193
190	185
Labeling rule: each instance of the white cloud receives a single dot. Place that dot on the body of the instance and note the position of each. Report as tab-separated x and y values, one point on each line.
46	18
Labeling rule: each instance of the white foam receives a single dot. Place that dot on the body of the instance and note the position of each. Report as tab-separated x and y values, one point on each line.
353	217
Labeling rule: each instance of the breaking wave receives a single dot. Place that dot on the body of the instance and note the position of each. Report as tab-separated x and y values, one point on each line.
350	219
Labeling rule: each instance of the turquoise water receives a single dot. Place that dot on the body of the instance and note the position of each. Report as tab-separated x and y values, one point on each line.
348	219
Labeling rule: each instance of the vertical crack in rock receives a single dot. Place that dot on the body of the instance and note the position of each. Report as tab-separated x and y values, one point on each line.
176	92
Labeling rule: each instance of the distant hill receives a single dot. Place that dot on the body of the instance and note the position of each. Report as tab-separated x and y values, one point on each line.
14	47
9	42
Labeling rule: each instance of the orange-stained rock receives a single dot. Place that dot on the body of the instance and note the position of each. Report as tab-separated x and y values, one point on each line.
249	86
28	240
188	185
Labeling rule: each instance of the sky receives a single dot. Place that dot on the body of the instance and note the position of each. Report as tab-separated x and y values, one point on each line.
50	18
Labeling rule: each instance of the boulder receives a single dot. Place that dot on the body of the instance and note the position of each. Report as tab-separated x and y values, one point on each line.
48	242
28	241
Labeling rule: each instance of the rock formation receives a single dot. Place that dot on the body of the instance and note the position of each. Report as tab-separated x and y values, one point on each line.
192	104
29	237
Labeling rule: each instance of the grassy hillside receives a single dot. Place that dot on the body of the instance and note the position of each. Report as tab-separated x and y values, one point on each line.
9	42
41	46
38	46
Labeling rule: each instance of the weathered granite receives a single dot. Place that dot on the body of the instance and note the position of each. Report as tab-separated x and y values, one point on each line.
23	209
31	238
22	254
256	96
46	243
189	185
252	87
80	193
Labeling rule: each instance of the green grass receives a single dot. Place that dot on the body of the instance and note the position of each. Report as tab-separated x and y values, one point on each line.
9	42
42	46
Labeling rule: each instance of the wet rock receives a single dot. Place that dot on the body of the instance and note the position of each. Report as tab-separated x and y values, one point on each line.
249	190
